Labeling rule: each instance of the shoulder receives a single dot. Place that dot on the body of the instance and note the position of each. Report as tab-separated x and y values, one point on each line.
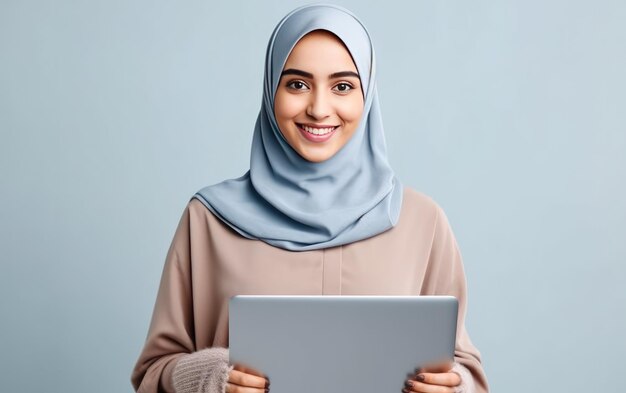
206	221
421	212
200	213
418	204
196	207
196	218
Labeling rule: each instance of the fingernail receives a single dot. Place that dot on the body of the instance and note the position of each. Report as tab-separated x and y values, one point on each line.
267	382
409	384
419	377
405	390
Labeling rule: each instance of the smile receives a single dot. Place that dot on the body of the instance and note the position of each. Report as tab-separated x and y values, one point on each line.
317	130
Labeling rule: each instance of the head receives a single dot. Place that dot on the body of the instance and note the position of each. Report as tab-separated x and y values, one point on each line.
320	108
319	100
314	191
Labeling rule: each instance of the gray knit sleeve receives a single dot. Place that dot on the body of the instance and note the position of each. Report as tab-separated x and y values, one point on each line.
204	371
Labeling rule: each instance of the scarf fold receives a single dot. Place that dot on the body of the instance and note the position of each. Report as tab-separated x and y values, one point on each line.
291	203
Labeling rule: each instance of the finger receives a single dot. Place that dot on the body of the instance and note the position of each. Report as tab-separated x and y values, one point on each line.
443	379
232	388
248	370
420	387
247	380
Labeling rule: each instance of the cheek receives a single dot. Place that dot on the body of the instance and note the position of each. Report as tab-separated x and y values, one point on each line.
286	107
351	110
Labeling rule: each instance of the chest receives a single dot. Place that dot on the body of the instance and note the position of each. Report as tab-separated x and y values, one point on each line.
388	264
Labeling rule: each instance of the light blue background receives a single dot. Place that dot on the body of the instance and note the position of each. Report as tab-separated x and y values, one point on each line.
511	114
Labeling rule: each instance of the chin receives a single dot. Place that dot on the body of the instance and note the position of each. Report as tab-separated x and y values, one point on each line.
317	156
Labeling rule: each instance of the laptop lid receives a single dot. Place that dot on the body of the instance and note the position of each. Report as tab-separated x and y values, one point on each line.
339	344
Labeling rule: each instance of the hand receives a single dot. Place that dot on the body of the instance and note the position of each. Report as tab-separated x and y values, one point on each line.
437	379
242	379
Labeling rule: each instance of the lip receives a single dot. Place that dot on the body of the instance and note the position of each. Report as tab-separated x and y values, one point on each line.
313	137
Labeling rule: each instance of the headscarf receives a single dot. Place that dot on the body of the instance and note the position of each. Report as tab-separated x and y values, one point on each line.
291	203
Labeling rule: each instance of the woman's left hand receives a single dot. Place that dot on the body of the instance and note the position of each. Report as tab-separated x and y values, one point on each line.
433	381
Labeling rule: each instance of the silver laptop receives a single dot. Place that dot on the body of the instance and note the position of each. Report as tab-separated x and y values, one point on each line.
340	344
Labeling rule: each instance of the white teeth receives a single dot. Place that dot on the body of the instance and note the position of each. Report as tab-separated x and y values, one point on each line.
318	131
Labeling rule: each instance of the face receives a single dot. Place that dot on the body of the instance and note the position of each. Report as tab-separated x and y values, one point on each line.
319	100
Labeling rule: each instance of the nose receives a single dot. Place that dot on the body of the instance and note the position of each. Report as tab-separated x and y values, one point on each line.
319	106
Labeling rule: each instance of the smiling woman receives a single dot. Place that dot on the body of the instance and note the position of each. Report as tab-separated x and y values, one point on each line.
319	100
320	212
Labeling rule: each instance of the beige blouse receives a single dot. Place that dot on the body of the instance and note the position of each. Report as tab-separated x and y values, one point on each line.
208	263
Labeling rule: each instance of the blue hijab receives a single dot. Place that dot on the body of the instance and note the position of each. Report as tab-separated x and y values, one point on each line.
291	203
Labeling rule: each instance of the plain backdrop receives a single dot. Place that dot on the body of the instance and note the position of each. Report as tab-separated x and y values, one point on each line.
510	114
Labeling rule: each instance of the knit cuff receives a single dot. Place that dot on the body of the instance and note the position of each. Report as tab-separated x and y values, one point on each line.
467	381
204	371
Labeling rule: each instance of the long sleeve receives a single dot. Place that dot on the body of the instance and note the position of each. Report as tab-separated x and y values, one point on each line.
206	264
171	335
445	276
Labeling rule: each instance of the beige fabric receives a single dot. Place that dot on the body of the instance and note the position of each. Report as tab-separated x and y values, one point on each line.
208	263
467	382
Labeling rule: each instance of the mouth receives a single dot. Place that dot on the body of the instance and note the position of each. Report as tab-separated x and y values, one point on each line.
317	132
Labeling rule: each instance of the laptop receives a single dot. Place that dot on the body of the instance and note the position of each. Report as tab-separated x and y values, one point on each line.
340	344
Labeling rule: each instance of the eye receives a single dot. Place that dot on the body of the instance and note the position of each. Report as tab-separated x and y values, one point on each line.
297	85
343	87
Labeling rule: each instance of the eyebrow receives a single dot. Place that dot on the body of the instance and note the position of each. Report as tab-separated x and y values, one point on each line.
343	74
340	74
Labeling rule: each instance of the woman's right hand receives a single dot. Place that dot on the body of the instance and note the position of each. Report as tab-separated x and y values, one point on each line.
245	380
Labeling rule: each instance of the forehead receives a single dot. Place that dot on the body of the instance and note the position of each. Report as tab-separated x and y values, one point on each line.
322	51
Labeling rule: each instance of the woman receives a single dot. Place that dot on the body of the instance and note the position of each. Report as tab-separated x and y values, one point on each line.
319	212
